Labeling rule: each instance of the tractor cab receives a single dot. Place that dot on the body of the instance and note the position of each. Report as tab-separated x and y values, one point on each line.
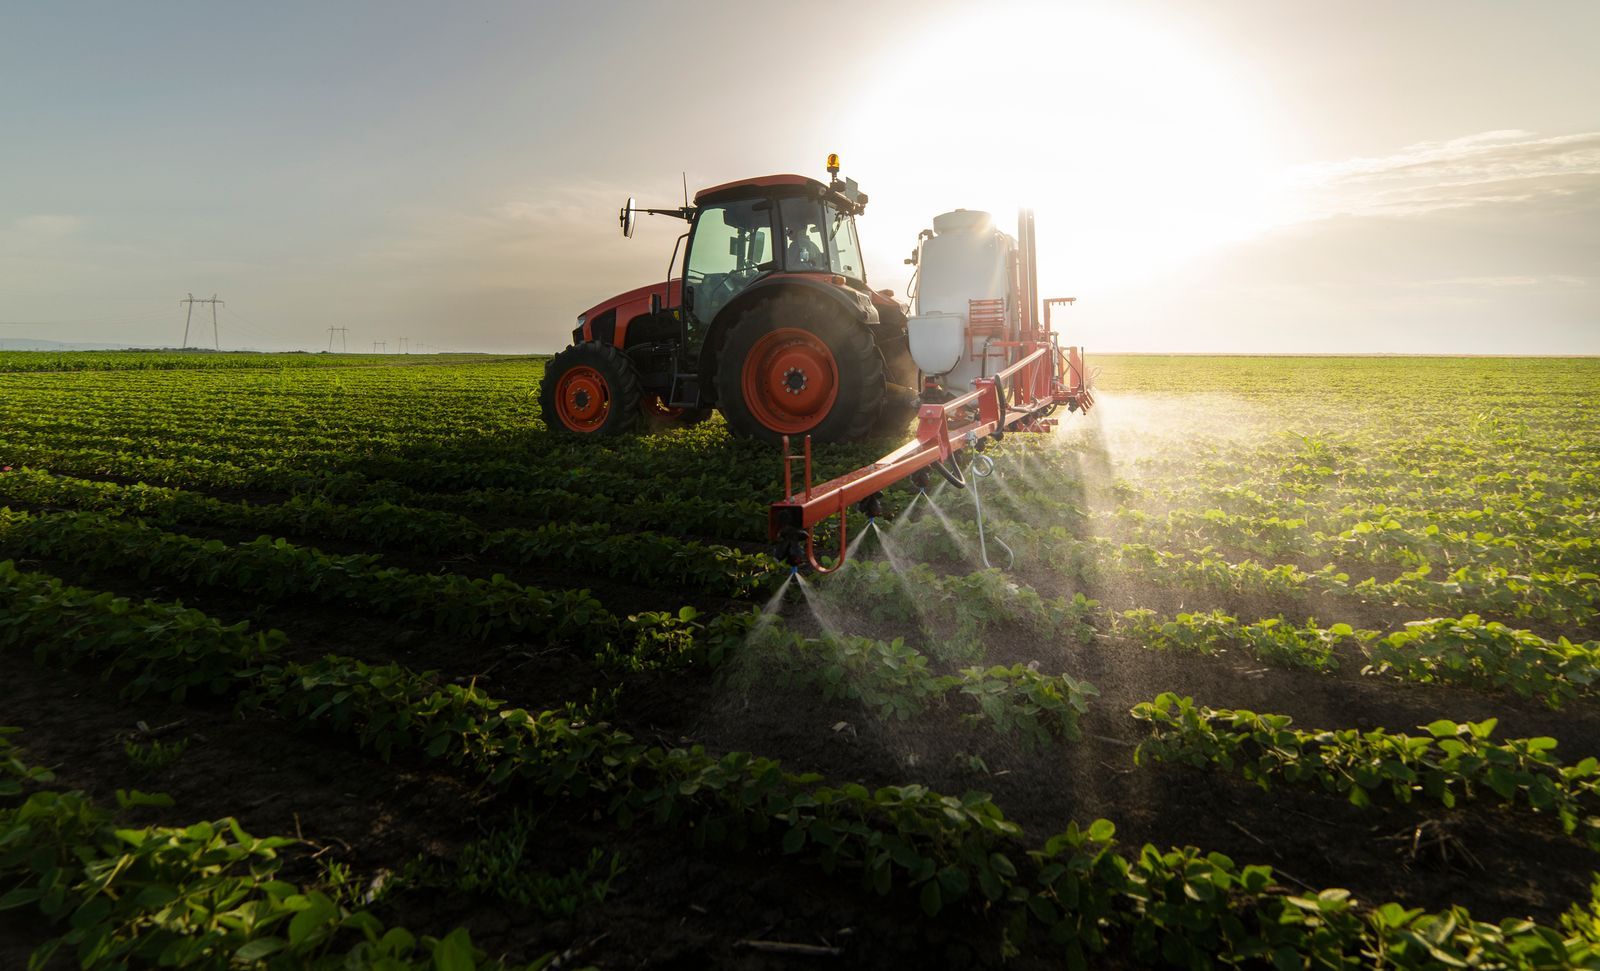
770	321
745	232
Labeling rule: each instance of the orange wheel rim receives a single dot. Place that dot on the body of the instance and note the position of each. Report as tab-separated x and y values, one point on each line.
583	399
790	380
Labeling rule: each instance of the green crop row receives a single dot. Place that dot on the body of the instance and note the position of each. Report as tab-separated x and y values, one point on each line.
275	570
411	518
893	680
133	360
958	612
1565	595
1177	907
203	896
194	652
147	647
589	547
202	450
1452	650
1466	650
1274	640
1551	542
1452	760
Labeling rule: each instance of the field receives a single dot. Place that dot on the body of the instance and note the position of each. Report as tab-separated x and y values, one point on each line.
1297	665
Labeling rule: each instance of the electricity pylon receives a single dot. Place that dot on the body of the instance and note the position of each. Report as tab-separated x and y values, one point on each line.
191	301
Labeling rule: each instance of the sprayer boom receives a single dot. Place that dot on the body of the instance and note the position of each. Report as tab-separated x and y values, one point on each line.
1019	398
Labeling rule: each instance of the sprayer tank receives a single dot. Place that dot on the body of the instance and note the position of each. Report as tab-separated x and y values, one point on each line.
966	260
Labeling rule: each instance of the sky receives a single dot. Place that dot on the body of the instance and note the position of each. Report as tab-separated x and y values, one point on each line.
1235	176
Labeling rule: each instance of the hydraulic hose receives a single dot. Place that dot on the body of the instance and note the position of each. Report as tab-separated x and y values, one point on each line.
982	467
952	473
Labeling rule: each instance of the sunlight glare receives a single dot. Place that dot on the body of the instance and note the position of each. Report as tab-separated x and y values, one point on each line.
1136	146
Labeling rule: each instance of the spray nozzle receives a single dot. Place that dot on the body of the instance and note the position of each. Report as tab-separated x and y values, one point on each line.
872	506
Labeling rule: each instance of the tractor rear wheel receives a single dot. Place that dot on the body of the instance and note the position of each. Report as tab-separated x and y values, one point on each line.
590	389
800	364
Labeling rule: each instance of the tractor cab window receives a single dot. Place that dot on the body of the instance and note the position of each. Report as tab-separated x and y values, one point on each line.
802	235
844	251
732	245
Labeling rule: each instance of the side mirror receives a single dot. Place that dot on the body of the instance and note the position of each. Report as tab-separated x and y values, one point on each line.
626	218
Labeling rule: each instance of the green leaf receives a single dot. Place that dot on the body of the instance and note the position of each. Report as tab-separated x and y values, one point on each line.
931	900
793	840
455	952
20	897
259	948
318	912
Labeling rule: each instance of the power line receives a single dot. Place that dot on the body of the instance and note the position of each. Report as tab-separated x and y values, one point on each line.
259	331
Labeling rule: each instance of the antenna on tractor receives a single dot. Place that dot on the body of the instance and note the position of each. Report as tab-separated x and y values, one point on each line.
685	190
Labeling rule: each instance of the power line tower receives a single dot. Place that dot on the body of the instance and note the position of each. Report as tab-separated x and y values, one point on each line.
403	345
189	315
378	344
344	338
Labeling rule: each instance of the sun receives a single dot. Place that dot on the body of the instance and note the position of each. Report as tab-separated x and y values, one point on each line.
1135	144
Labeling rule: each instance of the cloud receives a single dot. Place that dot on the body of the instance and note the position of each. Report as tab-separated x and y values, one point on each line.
1508	166
54	225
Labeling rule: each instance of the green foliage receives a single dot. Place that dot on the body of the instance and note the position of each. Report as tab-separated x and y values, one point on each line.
149	647
1468	651
155	756
499	865
896	681
203	896
1480	503
957	612
1452	761
1034	708
1273	641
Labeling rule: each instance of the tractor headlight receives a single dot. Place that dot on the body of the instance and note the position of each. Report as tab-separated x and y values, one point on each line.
577	334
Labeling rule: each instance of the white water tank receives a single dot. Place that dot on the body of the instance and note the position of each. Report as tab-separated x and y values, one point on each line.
966	259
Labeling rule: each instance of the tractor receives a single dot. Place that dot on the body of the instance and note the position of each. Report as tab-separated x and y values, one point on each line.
770	321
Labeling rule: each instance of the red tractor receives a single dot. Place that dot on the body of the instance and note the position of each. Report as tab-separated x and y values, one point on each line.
770	322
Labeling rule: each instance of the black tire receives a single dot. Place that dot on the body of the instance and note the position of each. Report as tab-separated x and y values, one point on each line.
610	372
900	406
857	369
904	379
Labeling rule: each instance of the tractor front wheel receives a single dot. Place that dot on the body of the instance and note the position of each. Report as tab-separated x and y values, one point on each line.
590	389
799	364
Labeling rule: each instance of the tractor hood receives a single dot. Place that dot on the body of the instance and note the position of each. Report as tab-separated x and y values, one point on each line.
668	292
623	307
